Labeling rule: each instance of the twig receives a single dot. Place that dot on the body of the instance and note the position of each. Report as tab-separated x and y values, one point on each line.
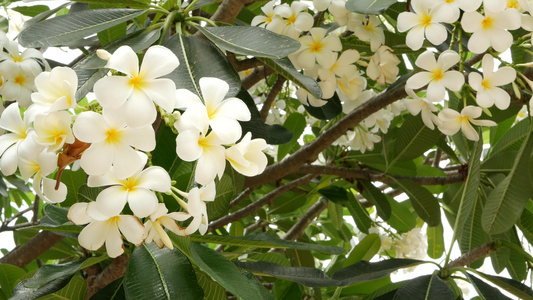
298	229
474	254
29	251
257	74
253	207
245	64
368	174
115	270
241	197
274	91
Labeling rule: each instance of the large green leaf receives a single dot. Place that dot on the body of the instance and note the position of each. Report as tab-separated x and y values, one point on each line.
9	275
366	271
510	141
403	217
359	214
369	7
31	11
212	290
472	235
124	3
485	290
296	123
376	197
227	274
526	225
435	241
364	250
424	203
287	70
413	140
67	28
508	199
427	287
200	58
251	40
263	240
155	273
225	193
513	287
74	290
112	291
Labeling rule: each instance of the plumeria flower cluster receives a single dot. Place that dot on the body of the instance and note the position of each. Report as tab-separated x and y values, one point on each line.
110	140
411	244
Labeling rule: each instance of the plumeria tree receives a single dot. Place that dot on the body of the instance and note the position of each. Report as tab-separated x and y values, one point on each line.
243	149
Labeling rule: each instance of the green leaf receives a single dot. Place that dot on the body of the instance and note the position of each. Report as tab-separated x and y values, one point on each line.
74	290
212	290
23	293
226	273
296	124
251	40
359	214
31	11
113	33
125	3
513	287
472	235
364	250
112	291
73	180
507	200
155	273
200	58
366	271
403	217
425	287
485	290
225	192
369	7
67	28
56	213
511	140
263	240
9	275
526	225
307	276
376	197
413	140
470	188
435	241
424	203
285	68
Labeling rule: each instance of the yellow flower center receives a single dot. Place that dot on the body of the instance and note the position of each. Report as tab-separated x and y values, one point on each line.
316	47
113	136
485	83
464	119
129	184
425	20
513	4
137	82
17	58
291	19
450	1
20	79
437	75
487	23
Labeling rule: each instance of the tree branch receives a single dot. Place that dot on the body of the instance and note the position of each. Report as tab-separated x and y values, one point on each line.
309	152
228	10
253	207
115	270
298	229
370	175
274	91
240	197
474	254
37	245
256	75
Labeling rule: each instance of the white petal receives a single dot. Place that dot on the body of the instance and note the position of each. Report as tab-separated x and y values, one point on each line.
77	214
97	159
93	236
53	195
213	91
436	34
90	127
187	146
142	202
184	98
126	162
140	111
155	178
158	61
112	91
112	200
162	92
132	229
142	138
113	243
124	60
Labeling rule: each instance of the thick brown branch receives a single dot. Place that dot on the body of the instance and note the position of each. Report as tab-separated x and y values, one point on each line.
37	245
274	91
298	229
368	174
228	10
268	198
473	255
115	270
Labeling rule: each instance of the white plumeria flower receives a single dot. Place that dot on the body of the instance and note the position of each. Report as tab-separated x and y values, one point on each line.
153	227
56	89
453	121
362	139
486	86
319	47
437	75
197	209
53	130
270	20
424	21
135	92
423	107
344	64
490	29
309	100
383	66
111	142
17	138
104	229
297	20
368	29
350	104
379	121
350	86
247	156
221	114
137	190
38	163
17	84
341	15
28	60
